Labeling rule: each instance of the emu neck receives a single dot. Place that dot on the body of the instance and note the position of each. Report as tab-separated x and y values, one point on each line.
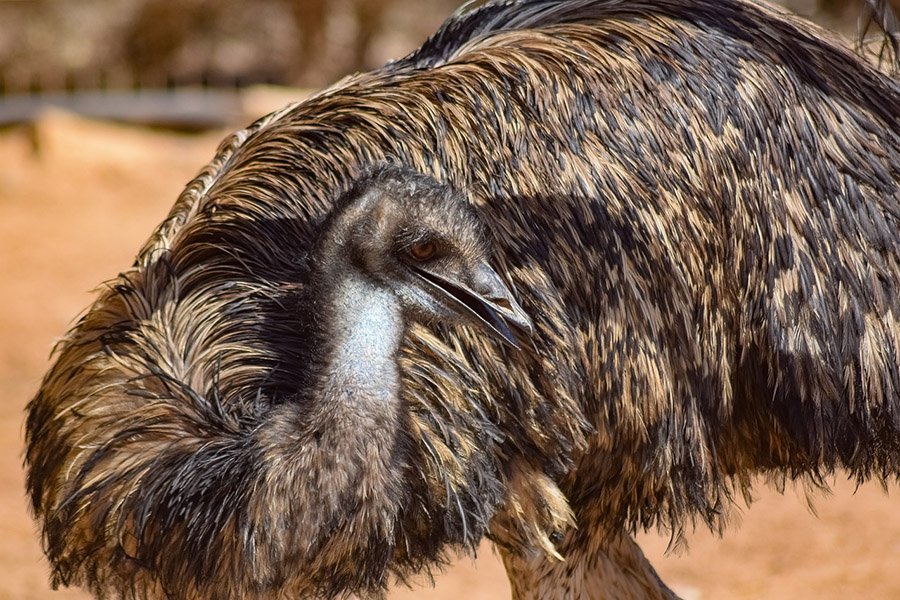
332	479
363	328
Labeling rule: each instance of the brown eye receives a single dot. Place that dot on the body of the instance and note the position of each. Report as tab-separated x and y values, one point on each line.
423	250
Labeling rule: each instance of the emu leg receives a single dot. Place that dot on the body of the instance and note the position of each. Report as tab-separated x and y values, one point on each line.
611	567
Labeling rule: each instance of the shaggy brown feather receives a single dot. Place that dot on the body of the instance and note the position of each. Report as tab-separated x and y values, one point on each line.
697	202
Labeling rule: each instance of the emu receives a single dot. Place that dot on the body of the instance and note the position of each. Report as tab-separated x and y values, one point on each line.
689	210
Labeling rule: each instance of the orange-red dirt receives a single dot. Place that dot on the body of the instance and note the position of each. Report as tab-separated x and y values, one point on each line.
77	199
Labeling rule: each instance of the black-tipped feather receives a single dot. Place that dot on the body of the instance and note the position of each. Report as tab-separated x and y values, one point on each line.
697	203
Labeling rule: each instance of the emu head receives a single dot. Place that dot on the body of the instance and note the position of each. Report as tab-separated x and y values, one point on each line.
421	240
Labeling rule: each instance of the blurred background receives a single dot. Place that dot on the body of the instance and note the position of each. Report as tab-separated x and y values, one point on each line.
54	44
109	107
48	45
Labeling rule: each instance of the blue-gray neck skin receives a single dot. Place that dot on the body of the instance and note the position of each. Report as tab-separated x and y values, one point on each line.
363	330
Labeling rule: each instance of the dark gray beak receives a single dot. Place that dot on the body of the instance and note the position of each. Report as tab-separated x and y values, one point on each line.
488	301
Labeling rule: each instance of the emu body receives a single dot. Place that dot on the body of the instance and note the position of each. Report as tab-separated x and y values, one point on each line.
696	203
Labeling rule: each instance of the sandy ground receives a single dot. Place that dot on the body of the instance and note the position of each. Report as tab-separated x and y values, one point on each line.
78	198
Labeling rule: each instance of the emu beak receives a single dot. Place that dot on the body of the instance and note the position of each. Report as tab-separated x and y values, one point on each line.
488	301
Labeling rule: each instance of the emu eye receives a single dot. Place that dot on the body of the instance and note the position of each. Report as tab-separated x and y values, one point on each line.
423	251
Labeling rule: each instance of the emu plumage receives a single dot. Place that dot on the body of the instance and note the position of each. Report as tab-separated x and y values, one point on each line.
697	204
